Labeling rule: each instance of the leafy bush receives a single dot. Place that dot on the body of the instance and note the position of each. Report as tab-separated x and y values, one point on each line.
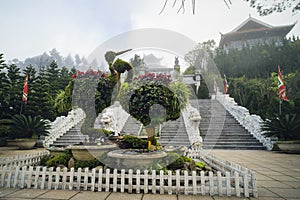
22	126
88	163
132	142
179	163
201	165
284	127
59	159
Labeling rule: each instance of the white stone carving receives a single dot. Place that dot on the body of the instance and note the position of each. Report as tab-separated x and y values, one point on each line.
112	118
191	118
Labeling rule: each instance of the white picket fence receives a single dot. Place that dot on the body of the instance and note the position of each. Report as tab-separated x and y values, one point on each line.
22	160
180	182
230	180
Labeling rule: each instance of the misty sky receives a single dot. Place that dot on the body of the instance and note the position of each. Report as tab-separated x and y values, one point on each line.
31	27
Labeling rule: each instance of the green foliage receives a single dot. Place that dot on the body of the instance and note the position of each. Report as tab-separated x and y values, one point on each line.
189	71
146	96
4	87
132	142
51	72
44	159
63	100
149	89
137	63
203	92
122	66
87	163
201	165
181	92
57	160
106	132
255	94
284	127
260	60
22	126
40	101
179	163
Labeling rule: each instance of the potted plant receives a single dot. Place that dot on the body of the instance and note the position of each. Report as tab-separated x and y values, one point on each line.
286	128
25	130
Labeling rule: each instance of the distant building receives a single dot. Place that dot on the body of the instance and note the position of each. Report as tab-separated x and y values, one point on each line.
252	32
152	64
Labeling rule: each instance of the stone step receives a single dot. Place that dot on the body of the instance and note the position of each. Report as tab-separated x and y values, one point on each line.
232	134
230	140
248	143
242	147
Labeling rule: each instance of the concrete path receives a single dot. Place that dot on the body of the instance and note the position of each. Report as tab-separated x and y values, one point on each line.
278	177
278	174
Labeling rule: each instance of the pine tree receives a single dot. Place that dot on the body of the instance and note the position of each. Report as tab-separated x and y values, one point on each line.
15	89
64	78
52	76
4	87
32	105
45	101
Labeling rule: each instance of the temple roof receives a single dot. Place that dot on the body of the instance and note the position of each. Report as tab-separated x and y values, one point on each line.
150	58
253	28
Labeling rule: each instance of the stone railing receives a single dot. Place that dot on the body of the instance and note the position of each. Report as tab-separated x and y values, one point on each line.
191	118
251	122
62	124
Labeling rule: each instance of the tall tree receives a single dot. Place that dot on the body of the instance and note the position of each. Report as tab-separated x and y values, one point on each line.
52	76
4	87
42	89
32	104
14	89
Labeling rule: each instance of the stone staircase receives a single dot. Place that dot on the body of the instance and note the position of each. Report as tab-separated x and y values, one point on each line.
173	133
223	131
71	137
132	126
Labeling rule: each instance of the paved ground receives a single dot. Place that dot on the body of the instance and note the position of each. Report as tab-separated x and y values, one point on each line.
278	177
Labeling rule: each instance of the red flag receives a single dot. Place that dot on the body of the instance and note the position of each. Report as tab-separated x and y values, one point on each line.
281	87
25	90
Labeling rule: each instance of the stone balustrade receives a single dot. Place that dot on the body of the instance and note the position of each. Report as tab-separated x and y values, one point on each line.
62	124
251	122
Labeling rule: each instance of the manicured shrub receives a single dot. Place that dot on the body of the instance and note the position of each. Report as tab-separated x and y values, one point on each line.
132	142
87	164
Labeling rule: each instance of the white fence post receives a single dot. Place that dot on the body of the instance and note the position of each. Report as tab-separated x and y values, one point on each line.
232	179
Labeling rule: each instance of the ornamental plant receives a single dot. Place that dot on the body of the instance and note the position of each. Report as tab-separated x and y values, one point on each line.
149	90
284	127
23	126
93	91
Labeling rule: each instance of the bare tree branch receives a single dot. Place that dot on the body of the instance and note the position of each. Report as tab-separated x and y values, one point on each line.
163	7
174	3
182	6
227	4
262	8
194	6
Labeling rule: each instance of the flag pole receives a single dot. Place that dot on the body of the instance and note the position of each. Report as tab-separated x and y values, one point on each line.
21	107
280	102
